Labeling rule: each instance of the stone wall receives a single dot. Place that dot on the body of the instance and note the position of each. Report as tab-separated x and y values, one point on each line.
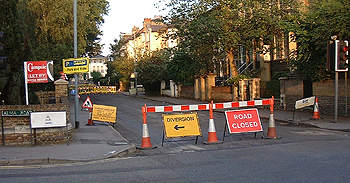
46	97
17	130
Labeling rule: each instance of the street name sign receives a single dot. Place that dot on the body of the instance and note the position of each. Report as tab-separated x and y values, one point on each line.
243	121
104	113
15	113
181	125
75	65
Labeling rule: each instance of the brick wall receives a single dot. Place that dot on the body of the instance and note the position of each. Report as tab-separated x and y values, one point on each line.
221	93
292	90
187	92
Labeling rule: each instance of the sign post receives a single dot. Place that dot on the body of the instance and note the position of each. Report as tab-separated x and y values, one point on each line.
75	66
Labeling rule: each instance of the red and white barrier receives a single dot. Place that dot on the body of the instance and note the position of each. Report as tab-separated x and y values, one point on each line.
212	138
203	107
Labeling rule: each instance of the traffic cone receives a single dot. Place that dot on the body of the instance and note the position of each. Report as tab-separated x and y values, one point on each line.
146	139
316	115
90	122
271	132
212	137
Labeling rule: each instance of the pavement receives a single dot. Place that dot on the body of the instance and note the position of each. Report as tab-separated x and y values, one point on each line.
101	141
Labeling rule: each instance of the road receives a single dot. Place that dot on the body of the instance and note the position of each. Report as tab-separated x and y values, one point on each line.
301	155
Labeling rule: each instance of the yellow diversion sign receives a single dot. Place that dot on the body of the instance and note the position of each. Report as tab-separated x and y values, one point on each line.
104	113
75	65
181	125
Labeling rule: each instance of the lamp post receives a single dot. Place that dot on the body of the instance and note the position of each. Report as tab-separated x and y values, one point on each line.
76	106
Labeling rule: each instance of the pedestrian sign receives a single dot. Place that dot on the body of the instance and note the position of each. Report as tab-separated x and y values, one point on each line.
181	125
87	104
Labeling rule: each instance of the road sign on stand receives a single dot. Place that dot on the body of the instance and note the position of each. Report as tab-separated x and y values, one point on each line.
181	125
243	121
87	104
104	113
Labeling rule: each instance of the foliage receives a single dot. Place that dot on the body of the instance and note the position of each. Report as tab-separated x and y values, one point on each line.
96	76
43	30
235	80
112	74
181	67
212	29
151	70
312	31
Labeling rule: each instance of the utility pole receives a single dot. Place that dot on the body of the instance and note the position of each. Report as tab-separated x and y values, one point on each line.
76	106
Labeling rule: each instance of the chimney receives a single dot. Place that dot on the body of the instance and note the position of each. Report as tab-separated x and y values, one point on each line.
146	21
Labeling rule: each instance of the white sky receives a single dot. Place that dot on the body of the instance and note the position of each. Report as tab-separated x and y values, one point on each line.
123	15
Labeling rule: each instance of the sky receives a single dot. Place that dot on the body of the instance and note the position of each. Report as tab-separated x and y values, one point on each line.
123	15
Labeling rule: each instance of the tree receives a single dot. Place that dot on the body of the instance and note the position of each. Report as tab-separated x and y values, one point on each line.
43	30
212	30
151	70
312	31
96	76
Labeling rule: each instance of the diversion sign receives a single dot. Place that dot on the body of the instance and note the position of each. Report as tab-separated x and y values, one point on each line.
181	125
75	65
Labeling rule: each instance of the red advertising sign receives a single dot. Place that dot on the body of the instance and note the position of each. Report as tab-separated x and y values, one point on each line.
36	71
242	121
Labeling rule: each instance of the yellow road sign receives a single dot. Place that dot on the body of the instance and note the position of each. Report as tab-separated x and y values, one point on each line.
75	65
181	125
104	113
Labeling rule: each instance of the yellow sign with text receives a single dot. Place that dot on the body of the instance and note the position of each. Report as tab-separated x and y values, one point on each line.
181	125
104	113
75	65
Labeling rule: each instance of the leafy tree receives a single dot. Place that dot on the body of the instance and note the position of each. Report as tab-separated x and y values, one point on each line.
312	31
96	77
212	30
151	71
43	30
181	67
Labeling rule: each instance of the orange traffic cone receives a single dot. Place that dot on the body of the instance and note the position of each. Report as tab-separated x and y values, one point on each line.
212	138
271	132
90	122
316	115
146	139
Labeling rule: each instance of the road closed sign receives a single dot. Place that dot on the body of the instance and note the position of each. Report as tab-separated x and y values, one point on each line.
243	121
181	125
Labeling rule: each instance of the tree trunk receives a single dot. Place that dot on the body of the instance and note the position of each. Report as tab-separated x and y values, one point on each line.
233	68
